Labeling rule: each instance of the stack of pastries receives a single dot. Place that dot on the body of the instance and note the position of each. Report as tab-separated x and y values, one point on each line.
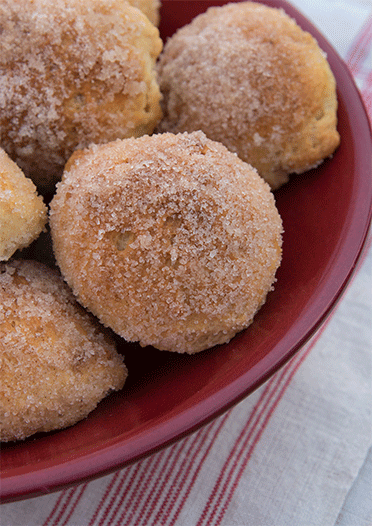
158	167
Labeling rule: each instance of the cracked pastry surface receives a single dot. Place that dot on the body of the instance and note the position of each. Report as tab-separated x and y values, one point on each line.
250	77
170	240
57	362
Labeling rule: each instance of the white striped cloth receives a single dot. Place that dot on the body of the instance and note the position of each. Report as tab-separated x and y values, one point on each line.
290	453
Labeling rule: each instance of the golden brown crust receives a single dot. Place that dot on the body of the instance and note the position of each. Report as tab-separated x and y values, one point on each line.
171	240
150	8
84	73
23	214
250	77
57	362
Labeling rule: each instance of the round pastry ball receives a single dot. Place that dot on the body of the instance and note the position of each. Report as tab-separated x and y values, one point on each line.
23	214
170	240
250	77
57	361
73	73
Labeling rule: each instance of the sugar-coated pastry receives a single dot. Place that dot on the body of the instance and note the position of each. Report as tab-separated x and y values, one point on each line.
250	77
170	240
57	362
73	73
23	214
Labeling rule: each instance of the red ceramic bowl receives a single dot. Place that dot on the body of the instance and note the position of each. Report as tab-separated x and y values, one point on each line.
326	214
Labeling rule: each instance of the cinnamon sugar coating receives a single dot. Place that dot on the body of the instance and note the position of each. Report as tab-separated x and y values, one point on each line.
73	73
57	362
170	240
250	77
23	214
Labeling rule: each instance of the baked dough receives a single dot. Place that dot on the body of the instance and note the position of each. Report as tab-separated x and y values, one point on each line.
23	214
250	77
57	362
73	73
150	8
170	240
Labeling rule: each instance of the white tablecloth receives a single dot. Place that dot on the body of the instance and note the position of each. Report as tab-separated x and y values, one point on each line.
297	452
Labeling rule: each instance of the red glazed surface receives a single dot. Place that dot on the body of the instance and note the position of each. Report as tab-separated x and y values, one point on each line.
326	215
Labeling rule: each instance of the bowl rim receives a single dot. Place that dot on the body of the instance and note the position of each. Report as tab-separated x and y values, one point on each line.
20	483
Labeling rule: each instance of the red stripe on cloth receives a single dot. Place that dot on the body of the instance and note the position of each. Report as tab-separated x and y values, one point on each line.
81	490
194	441
147	490
248	429
56	506
170	476
104	498
192	448
61	505
188	466
182	488
235	466
189	450
235	479
125	476
143	479
130	502
199	446
357	51
178	510
123	491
